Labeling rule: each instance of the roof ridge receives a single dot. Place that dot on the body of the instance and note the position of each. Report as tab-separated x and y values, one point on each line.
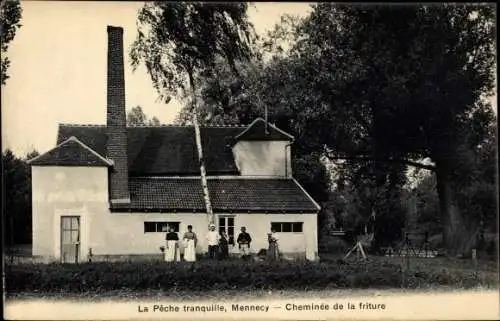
224	126
155	126
213	177
81	125
307	194
259	119
75	139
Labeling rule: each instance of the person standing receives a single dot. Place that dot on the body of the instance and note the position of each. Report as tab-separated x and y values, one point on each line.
273	252
244	240
213	241
172	252
190	242
223	245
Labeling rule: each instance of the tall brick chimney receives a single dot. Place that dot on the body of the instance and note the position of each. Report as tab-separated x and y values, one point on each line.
116	120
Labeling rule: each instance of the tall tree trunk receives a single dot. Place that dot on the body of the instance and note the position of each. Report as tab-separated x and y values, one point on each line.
204	185
458	232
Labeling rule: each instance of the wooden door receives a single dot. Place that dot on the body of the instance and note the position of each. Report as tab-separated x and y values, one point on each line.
70	239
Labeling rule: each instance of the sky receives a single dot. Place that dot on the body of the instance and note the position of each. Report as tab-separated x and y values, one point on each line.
59	64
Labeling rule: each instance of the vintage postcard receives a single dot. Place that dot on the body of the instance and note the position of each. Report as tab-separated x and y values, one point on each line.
257	161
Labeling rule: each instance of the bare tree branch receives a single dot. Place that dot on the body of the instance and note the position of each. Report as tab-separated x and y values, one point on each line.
384	160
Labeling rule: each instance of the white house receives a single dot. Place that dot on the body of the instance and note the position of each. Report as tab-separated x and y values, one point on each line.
109	189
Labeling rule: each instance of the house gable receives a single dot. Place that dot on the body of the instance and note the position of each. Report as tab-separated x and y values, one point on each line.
256	131
263	149
71	152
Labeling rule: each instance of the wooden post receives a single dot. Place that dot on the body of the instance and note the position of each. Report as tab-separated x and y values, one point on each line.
350	251
474	261
403	272
406	259
362	250
265	118
407	253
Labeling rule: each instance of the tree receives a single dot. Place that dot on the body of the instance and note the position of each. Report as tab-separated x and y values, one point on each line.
34	153
386	85
401	83
229	99
180	41
10	15
369	196
476	195
136	117
17	198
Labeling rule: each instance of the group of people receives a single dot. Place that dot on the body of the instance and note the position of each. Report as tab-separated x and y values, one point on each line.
218	244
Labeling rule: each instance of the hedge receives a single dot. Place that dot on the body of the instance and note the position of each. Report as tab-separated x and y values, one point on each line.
226	275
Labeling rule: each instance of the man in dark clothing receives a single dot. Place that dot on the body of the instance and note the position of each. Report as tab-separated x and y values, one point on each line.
244	239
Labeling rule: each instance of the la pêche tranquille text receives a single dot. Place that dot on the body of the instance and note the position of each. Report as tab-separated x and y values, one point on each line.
173	308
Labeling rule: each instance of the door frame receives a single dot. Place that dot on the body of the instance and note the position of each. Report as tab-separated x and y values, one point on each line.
78	244
84	231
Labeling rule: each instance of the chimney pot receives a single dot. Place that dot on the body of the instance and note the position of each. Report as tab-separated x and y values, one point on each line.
115	29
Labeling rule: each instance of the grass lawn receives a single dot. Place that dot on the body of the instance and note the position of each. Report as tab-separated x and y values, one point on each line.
229	295
234	279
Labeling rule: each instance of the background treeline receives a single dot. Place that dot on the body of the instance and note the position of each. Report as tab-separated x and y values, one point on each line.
16	198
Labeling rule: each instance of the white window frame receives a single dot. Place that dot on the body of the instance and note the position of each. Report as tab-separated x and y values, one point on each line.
226	226
291	227
157	222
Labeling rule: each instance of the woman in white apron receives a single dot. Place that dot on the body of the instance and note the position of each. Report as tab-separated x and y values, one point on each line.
190	245
172	252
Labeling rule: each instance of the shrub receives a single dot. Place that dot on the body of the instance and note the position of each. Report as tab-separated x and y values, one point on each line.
103	277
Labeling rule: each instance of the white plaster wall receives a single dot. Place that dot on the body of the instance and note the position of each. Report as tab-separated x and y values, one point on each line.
123	233
259	225
263	158
83	191
66	190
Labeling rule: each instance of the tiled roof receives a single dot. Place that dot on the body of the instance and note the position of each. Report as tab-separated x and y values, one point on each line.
257	131
171	150
71	152
165	150
227	195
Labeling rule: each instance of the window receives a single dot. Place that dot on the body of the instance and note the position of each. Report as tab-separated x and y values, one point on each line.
287	227
152	227
226	224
